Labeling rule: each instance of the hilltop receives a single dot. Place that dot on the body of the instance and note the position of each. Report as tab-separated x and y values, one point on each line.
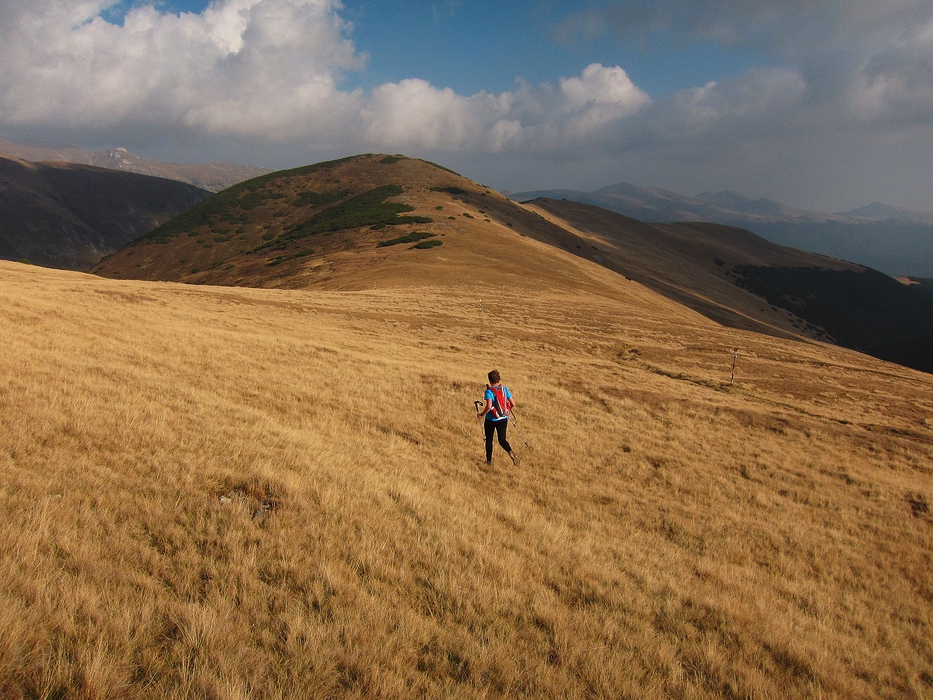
69	216
354	222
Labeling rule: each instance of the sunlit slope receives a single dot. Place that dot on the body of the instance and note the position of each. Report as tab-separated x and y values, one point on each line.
376	221
220	492
739	279
689	262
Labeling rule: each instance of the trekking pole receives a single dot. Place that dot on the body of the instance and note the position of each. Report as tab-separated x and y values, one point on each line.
478	406
519	430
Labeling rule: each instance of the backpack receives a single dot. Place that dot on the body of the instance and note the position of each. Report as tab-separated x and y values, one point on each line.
500	403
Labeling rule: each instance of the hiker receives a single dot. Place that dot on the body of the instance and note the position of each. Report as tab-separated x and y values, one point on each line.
498	404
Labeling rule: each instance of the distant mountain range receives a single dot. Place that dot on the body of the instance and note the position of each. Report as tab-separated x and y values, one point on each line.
207	176
895	241
67	215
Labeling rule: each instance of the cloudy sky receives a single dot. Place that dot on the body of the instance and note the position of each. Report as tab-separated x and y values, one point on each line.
825	104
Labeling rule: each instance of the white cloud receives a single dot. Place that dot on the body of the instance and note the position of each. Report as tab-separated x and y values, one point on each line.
270	70
572	114
859	59
267	62
897	83
599	97
269	76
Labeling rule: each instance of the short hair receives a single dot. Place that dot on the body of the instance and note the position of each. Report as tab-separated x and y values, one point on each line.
493	377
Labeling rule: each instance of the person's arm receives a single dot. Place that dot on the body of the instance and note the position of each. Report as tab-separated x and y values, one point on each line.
486	410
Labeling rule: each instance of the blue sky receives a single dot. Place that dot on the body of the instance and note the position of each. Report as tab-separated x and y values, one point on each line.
487	46
475	46
824	104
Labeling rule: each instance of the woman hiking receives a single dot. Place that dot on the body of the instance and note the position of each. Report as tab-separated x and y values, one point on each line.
498	404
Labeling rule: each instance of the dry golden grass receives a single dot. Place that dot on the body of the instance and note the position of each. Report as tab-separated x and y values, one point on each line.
233	493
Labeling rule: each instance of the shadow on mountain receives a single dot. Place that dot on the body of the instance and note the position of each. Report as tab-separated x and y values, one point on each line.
68	216
866	311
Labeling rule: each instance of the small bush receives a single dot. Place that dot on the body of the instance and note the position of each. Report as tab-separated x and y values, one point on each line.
303	253
449	190
410	238
423	245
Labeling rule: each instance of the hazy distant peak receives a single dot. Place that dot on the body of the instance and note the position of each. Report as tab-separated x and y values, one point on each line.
630	190
746	205
209	176
879	211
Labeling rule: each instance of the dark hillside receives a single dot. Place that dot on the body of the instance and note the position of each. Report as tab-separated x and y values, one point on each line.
687	263
894	241
69	216
866	311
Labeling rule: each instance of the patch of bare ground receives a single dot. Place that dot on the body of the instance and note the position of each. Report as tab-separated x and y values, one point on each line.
239	493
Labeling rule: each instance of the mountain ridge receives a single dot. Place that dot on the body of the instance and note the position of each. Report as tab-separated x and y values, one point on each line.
212	177
895	241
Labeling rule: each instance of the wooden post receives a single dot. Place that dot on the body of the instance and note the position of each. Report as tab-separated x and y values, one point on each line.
735	355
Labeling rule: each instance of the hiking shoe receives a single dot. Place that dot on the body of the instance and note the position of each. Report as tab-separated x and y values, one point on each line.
514	457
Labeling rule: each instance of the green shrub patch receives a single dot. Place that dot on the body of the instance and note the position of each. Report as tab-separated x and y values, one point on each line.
303	253
367	209
316	199
410	238
433	243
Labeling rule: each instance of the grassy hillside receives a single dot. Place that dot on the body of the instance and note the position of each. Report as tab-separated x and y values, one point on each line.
352	222
247	493
338	225
295	220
